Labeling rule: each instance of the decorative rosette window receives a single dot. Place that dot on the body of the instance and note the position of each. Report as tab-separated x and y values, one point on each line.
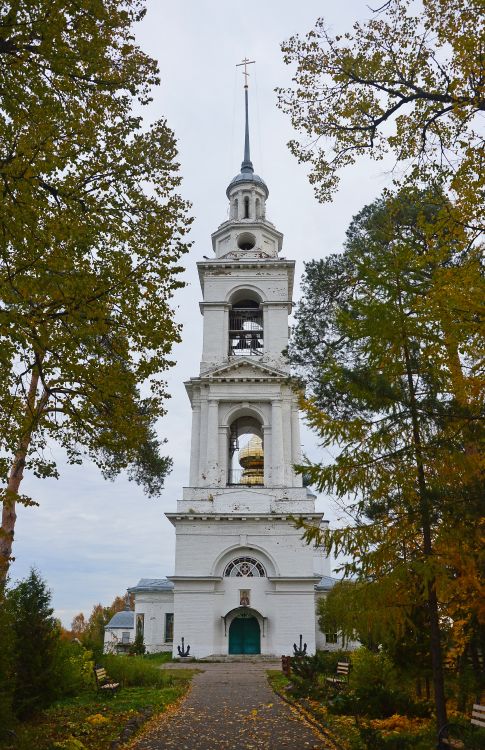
245	567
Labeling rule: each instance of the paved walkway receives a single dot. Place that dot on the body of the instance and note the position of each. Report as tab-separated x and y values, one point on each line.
231	706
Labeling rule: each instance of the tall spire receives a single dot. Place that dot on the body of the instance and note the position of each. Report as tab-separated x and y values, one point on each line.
247	165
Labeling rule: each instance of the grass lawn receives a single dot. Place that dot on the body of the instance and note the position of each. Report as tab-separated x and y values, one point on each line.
393	733
91	721
340	728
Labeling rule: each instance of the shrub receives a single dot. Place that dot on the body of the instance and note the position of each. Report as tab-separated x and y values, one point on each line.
6	665
372	739
73	668
371	670
138	647
308	672
133	672
36	638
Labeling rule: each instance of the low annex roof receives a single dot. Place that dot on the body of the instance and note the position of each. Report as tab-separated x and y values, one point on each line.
326	583
152	584
124	619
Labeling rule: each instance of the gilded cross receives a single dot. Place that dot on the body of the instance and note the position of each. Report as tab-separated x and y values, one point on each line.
245	62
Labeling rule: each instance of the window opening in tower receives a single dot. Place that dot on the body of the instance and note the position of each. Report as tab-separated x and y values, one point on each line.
245	329
246	453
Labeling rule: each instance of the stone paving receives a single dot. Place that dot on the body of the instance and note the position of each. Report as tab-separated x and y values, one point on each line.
231	706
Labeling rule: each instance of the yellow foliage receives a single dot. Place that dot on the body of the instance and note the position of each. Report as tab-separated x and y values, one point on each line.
97	720
396	724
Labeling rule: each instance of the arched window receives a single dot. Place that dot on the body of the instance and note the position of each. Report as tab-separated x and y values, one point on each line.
246	453
245	328
244	567
246	208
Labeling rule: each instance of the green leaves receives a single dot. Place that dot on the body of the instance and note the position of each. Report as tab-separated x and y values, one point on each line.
391	361
405	83
91	235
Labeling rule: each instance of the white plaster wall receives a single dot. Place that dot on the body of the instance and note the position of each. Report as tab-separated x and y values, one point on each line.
195	619
200	543
154	605
218	402
271	282
113	636
200	613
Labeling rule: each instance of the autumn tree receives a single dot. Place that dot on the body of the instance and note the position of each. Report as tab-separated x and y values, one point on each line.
91	631
388	341
91	232
382	615
407	83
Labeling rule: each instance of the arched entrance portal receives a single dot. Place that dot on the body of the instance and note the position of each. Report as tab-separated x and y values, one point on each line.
244	635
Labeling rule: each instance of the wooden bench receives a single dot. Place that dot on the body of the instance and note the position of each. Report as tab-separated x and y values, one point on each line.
104	683
341	677
454	742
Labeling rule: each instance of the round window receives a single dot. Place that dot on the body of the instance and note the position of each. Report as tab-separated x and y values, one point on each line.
246	241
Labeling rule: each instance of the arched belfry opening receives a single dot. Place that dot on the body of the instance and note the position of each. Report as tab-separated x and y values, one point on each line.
246	335
246	453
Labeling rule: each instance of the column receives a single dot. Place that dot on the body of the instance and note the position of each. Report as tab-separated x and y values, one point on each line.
195	444
223	455
295	443
202	479
212	442
277	443
287	455
267	454
265	328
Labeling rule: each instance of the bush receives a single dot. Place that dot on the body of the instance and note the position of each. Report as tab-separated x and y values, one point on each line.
370	671
73	668
308	672
36	666
138	647
136	671
372	739
375	690
36	638
6	666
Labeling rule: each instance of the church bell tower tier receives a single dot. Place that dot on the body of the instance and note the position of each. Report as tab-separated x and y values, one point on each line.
244	581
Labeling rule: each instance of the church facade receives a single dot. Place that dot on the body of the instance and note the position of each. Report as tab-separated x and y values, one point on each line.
244	581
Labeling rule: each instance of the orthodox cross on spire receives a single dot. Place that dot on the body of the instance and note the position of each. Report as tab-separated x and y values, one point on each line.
247	165
245	62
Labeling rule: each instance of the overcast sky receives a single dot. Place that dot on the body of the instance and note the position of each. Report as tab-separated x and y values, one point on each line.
89	538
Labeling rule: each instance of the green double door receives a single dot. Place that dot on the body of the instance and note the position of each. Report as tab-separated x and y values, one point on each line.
244	636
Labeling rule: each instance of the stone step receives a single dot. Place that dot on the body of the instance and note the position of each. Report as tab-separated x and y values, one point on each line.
251	658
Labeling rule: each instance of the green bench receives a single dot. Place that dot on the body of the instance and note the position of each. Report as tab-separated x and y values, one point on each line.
104	683
449	735
341	677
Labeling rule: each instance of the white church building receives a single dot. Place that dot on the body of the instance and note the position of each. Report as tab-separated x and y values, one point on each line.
244	582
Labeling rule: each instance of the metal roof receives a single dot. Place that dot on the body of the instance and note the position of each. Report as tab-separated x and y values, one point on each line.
326	583
247	177
152	584
124	619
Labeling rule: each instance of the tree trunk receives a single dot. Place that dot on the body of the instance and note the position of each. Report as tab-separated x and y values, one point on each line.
432	599
9	515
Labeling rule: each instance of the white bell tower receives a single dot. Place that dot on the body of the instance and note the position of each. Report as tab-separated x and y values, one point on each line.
238	556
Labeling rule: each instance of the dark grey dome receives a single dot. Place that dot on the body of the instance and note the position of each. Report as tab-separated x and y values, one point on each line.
247	176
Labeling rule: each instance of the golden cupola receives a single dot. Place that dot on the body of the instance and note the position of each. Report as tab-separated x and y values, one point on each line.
251	459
